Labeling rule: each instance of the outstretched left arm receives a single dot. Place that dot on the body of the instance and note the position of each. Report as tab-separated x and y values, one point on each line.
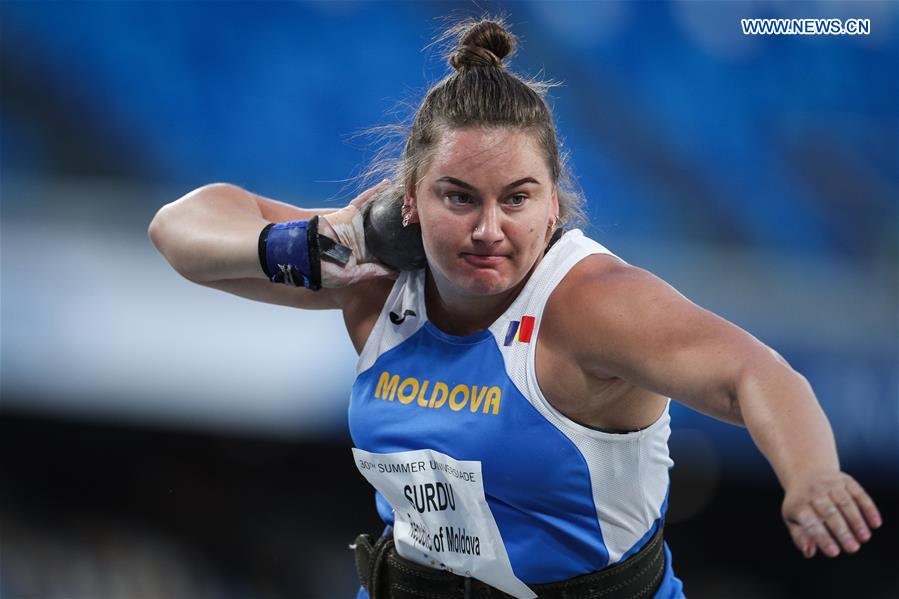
824	508
656	338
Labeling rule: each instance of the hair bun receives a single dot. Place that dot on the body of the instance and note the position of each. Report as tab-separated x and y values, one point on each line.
482	43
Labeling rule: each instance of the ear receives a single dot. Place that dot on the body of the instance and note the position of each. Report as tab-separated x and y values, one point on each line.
410	204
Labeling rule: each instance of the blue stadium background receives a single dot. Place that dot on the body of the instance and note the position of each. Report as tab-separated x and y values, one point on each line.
186	444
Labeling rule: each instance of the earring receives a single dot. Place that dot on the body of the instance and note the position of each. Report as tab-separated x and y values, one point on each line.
407	215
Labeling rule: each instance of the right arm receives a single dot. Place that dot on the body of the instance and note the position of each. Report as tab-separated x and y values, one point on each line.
210	236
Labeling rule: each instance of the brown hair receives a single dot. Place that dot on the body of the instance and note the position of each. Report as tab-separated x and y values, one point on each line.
482	92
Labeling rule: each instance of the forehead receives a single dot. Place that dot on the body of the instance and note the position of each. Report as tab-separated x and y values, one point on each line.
477	152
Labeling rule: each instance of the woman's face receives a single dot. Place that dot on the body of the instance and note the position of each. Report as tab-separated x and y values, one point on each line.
486	204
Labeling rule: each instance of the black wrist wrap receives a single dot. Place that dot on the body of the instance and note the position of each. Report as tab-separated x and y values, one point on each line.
315	255
263	239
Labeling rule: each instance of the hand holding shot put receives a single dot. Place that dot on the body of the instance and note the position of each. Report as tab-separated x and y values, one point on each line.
223	219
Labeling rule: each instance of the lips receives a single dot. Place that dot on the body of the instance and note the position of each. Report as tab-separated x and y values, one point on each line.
484	260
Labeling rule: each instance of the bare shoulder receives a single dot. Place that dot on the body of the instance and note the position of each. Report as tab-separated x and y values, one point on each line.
615	320
594	285
601	297
606	287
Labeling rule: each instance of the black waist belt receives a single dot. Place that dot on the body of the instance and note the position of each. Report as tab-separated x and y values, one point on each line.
386	575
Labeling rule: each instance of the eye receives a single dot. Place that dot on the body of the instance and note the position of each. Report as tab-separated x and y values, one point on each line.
458	199
517	200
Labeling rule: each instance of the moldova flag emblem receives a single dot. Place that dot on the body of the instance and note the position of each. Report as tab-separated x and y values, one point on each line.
520	330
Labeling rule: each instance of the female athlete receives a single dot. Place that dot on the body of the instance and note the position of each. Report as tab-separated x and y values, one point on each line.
511	399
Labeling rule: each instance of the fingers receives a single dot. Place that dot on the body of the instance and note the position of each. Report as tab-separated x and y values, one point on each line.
813	529
872	515
837	528
363	198
851	513
832	513
803	542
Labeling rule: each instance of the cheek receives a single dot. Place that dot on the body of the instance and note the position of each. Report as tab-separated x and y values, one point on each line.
441	227
529	234
439	239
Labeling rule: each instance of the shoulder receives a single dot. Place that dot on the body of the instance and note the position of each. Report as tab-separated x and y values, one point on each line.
601	297
600	281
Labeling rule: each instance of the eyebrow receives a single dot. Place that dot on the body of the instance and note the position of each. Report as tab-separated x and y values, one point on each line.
462	183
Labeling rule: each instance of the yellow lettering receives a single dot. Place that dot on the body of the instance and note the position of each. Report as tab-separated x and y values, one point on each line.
443	391
477	398
409	382
458	390
421	395
494	395
387	386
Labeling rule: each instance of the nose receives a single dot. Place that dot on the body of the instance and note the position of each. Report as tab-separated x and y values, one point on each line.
489	228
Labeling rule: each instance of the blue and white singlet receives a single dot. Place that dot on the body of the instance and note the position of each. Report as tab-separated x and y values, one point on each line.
566	499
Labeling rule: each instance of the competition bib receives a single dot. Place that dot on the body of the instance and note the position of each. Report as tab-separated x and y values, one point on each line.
441	517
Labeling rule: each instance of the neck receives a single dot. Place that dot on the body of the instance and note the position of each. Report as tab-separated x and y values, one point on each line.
458	314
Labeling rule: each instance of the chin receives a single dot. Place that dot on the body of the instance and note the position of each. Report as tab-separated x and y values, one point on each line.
472	281
488	282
